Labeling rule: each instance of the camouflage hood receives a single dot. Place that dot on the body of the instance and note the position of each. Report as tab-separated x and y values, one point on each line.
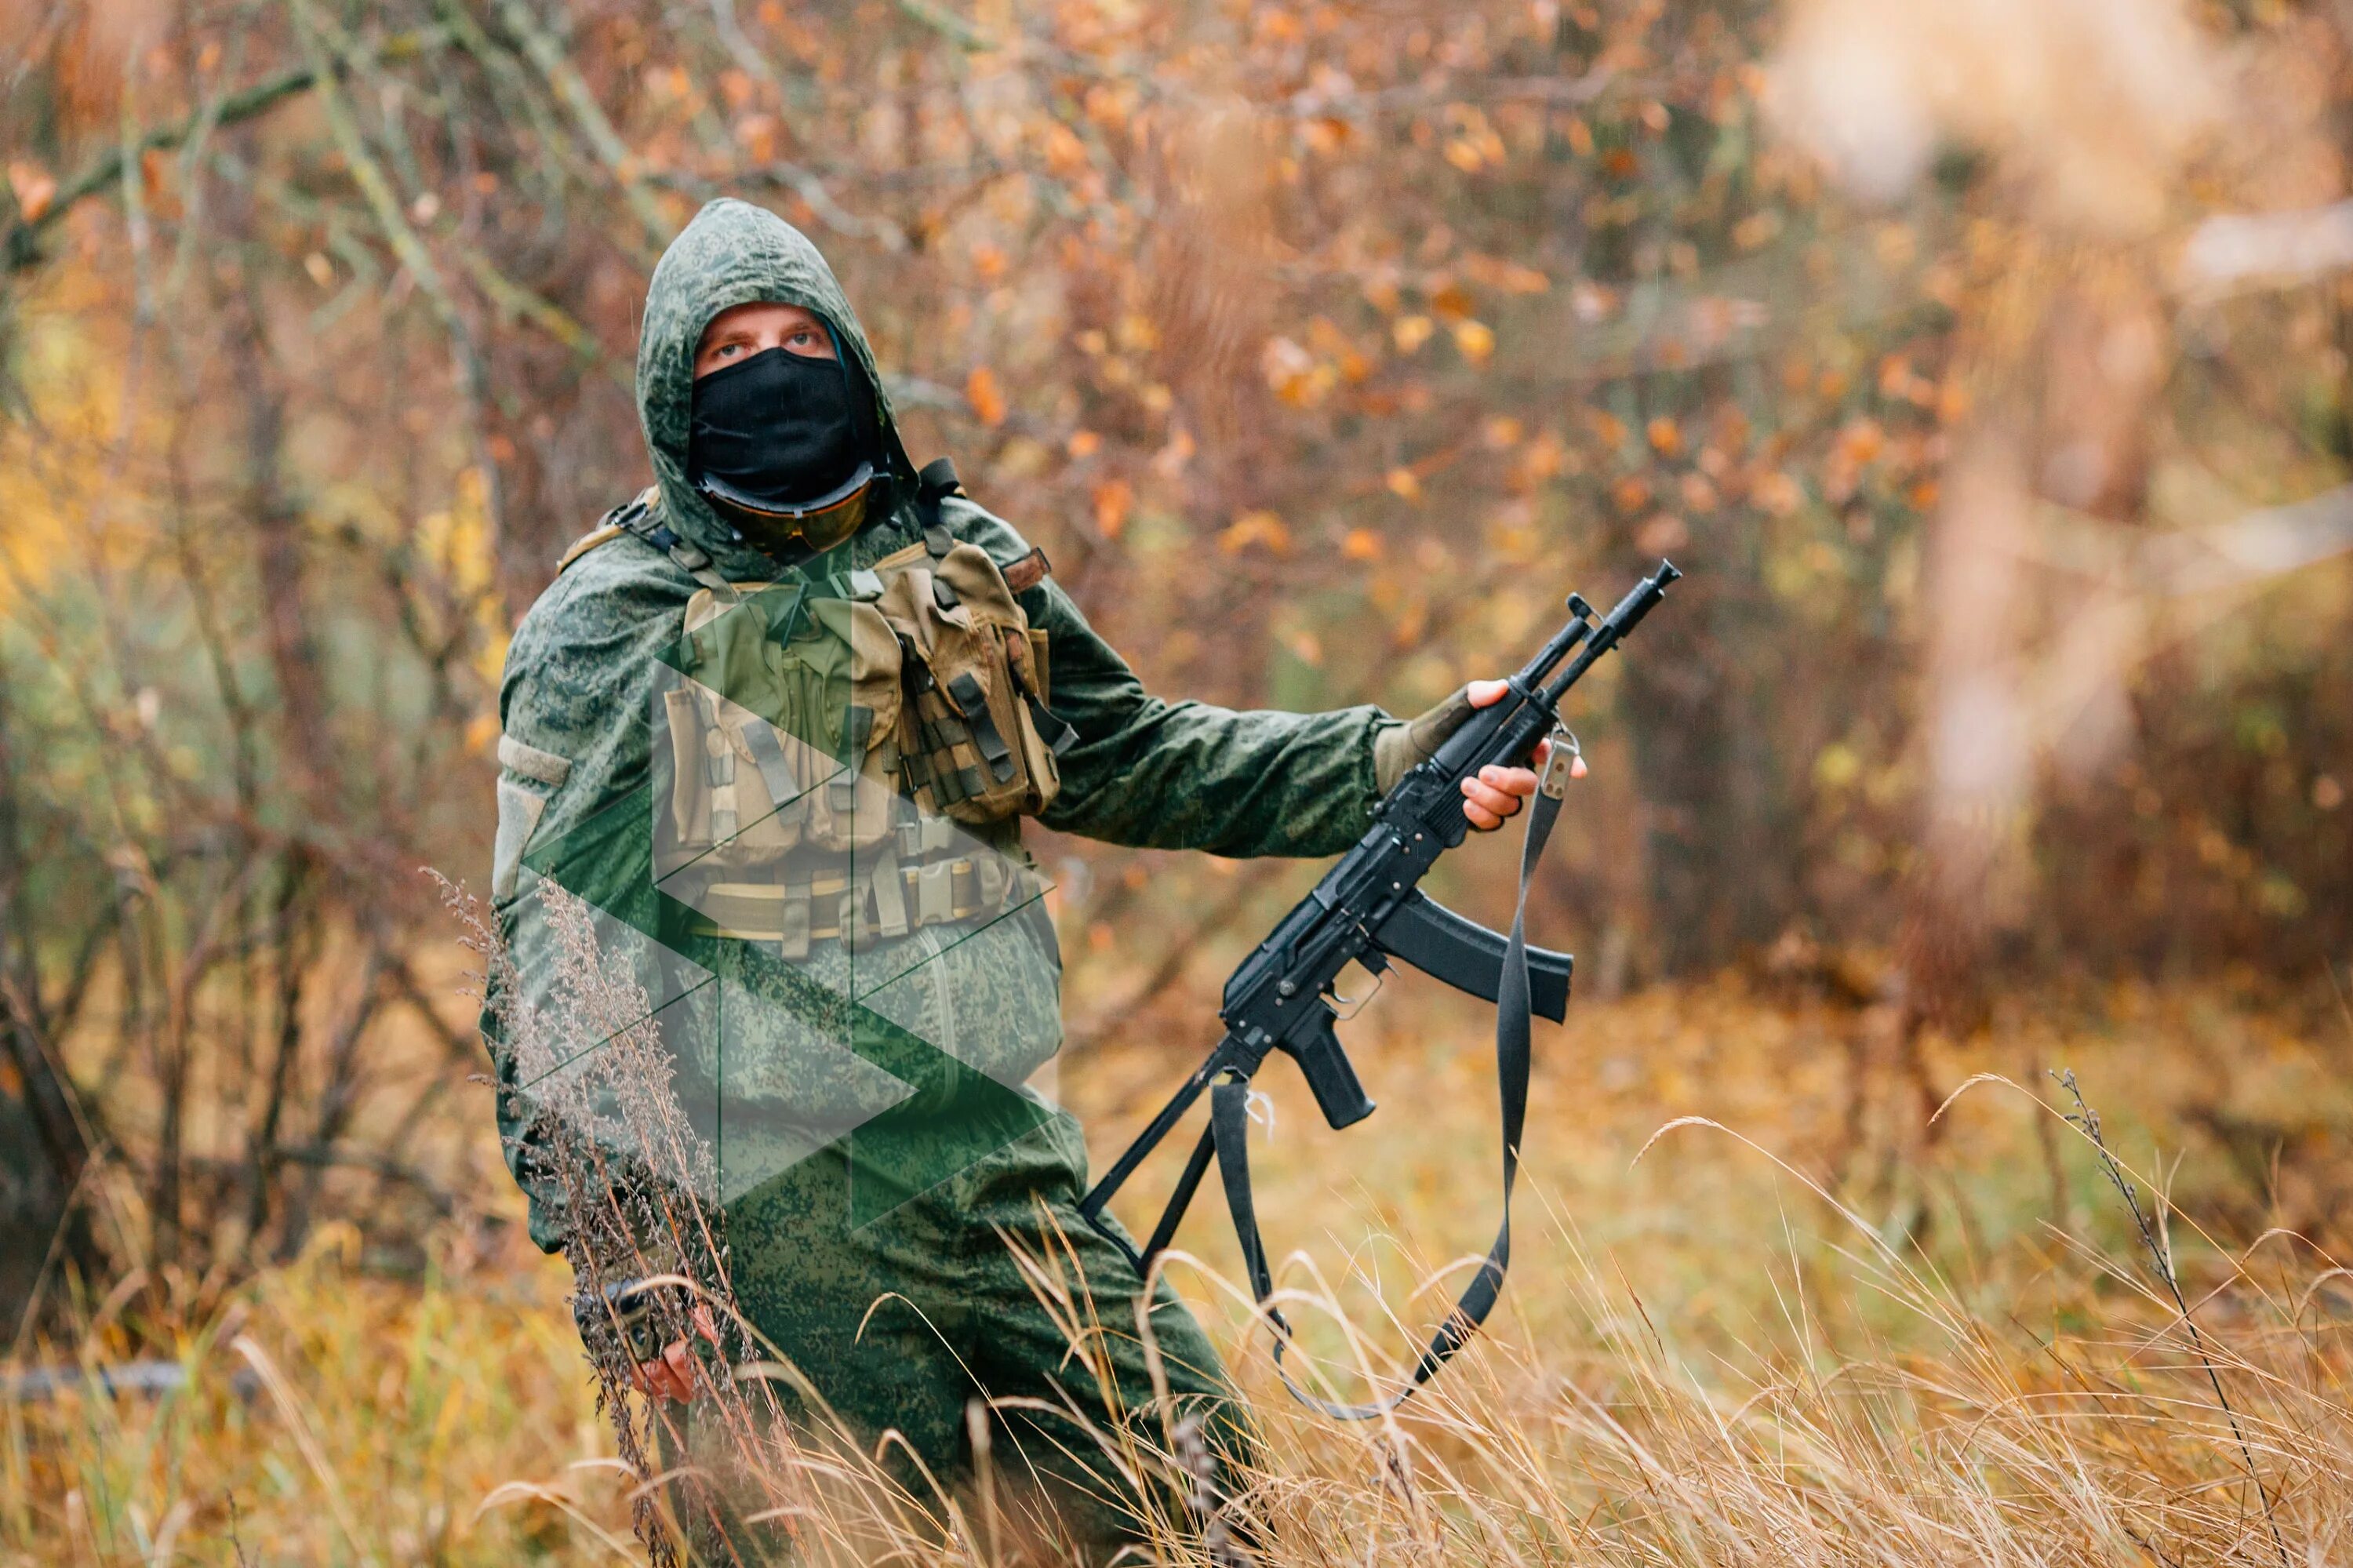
731	254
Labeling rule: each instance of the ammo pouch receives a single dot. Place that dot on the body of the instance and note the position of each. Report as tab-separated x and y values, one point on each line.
975	738
828	734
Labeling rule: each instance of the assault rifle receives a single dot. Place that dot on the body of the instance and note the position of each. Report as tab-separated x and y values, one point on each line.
1369	909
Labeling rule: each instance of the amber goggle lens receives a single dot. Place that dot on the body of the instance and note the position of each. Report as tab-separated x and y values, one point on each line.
821	528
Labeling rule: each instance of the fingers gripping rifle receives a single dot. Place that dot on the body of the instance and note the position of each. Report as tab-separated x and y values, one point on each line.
1369	910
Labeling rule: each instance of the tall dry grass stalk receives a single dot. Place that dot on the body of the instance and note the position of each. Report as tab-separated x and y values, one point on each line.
1733	1390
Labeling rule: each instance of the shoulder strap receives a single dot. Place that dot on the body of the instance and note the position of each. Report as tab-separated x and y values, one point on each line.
936	482
604	535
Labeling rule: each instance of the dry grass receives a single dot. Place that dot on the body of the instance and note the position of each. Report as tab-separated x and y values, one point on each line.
1706	1355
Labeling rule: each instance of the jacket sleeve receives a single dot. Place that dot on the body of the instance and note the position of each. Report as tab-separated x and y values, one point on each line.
1184	775
574	739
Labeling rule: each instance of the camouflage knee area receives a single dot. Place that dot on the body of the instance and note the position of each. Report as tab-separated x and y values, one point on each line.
1091	1395
991	1288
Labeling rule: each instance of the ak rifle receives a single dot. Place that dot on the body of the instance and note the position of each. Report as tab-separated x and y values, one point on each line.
1369	910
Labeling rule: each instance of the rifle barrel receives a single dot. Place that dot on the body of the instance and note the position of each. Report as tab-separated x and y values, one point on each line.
1577	630
1626	615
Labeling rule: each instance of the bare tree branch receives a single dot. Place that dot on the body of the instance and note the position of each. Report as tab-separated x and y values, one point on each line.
20	246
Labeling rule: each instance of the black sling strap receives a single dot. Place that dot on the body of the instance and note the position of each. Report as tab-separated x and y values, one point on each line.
641	517
934	485
1224	1140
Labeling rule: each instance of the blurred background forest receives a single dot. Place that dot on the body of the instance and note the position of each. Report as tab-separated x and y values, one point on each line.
1984	365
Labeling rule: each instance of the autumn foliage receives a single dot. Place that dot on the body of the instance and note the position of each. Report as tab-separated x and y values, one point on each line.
1985	366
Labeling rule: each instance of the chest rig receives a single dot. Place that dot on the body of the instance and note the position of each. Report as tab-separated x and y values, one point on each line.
846	754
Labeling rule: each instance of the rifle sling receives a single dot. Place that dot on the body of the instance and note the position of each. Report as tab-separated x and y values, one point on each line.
1226	1138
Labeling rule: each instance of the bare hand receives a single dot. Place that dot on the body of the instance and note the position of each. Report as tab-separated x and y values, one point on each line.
1497	792
671	1375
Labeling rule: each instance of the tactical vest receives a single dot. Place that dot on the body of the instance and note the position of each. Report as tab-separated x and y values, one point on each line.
831	743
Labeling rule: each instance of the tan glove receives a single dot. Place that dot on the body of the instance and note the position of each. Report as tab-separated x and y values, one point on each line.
1402	745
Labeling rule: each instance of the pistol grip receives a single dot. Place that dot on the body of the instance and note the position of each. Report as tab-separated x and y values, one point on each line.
1331	1076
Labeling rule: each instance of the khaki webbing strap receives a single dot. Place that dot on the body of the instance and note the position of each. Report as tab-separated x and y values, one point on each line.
793	933
891	918
776	770
719	773
937	893
588	542
1023	574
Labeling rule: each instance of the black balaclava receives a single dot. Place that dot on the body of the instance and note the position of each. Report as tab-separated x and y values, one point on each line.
784	445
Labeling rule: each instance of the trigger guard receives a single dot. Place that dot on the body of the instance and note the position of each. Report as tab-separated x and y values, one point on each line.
1354	1005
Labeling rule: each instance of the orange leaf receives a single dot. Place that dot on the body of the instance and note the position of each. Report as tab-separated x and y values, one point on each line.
1065	154
1505	277
1255	528
33	187
1113	499
987	400
1860	441
1361	545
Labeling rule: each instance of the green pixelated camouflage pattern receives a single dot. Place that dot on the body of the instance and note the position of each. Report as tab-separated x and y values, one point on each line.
1144	771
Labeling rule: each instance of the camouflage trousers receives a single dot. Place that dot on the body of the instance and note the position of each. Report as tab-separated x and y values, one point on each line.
988	1288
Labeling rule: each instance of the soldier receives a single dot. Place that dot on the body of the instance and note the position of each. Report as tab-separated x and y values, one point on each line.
868	1239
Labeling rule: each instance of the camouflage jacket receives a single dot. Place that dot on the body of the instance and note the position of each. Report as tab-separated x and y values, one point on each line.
576	749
